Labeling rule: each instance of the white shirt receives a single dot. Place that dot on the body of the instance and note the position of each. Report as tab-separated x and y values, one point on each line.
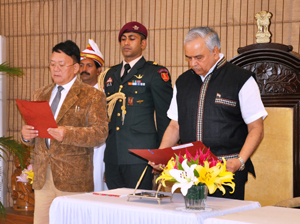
251	105
64	93
132	63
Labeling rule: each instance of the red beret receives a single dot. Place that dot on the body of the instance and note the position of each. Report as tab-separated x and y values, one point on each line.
135	27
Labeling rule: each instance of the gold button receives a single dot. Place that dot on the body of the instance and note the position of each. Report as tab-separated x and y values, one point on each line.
135	92
117	128
121	86
120	100
118	114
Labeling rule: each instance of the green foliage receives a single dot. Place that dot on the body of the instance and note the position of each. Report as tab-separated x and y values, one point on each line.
13	71
10	146
2	212
179	166
7	144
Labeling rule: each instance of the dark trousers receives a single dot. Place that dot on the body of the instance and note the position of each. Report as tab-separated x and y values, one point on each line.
118	176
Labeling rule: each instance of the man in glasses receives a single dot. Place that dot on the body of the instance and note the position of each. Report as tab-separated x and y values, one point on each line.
63	165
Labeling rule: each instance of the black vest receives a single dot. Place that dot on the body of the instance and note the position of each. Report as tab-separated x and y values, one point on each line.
223	129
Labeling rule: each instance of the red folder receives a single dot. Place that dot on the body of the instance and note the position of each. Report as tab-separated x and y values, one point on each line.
39	115
162	156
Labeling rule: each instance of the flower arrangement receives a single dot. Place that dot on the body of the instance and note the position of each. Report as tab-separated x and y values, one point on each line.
27	175
201	169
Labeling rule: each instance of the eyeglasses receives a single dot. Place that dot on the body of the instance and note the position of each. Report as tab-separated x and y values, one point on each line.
60	66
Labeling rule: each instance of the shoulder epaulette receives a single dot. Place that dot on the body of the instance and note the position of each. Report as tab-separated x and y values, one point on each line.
152	63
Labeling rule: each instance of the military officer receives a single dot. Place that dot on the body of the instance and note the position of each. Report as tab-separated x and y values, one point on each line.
139	117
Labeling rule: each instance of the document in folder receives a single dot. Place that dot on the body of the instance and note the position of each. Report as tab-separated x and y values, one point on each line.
39	115
162	156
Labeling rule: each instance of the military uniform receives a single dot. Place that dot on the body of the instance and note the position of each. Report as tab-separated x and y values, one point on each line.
148	89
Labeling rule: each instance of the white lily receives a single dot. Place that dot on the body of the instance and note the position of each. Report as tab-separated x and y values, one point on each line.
186	177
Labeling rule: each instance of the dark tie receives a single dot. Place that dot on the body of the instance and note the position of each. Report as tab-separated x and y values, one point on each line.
56	99
54	105
126	68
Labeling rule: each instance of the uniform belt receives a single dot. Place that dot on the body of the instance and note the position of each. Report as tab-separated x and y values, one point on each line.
230	156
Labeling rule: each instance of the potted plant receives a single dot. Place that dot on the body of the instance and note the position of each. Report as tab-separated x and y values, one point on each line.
196	176
7	144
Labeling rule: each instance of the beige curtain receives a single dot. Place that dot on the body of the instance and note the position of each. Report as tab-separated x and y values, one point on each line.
33	27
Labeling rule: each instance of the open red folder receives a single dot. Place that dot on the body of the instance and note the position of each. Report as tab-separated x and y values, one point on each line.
162	156
39	115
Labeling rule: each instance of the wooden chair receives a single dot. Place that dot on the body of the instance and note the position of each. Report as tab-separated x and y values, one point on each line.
277	160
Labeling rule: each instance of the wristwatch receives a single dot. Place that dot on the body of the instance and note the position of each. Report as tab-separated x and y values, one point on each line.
24	140
242	167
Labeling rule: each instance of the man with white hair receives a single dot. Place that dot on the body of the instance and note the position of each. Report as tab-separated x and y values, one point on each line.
219	104
91	62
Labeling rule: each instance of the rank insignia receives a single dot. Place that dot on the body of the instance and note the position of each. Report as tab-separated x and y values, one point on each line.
130	101
139	76
164	74
109	82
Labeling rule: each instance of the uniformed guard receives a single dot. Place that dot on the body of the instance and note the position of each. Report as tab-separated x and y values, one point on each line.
139	94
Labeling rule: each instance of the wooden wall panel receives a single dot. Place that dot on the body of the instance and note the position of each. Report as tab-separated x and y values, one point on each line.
33	27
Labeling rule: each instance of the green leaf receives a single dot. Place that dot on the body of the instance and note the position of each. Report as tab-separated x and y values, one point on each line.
2	212
12	71
196	173
10	146
7	144
179	166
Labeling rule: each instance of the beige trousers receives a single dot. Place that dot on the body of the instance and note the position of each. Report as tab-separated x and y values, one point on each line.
44	198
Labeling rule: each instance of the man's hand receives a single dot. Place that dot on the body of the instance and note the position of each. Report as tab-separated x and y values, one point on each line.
157	168
57	133
233	165
28	132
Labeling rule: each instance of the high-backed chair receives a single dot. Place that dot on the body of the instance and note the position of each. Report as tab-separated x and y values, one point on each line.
277	160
